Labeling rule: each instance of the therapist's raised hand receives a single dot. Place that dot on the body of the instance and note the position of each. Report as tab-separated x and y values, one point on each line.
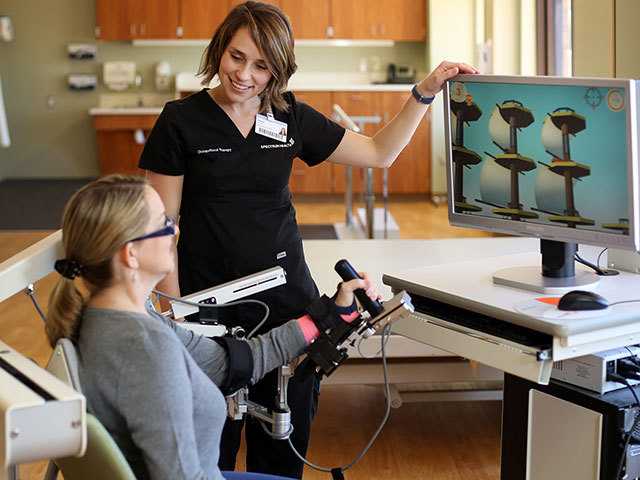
345	297
434	82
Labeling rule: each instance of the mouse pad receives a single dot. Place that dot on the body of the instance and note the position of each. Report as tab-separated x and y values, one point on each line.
547	307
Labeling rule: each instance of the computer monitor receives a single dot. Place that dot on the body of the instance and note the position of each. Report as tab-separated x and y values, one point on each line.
548	157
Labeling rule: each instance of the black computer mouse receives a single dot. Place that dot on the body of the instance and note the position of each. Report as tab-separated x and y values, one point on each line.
582	300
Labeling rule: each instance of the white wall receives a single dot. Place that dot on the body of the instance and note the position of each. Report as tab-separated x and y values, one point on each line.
457	30
452	37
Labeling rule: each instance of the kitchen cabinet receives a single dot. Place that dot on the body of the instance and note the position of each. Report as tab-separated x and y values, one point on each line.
399	20
310	19
409	174
200	18
118	149
356	104
113	20
317	179
136	19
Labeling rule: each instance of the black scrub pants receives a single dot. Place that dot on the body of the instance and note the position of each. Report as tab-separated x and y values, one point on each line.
264	454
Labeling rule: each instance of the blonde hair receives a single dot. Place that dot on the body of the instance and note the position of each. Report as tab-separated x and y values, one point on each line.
271	31
98	220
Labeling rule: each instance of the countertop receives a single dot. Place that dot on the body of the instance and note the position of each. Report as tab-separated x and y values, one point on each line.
309	82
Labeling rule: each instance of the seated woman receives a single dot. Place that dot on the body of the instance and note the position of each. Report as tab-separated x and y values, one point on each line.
153	384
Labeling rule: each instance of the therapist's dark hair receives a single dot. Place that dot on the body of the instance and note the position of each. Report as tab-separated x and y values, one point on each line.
271	31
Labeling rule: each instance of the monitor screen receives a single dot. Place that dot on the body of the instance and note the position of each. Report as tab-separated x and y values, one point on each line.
549	157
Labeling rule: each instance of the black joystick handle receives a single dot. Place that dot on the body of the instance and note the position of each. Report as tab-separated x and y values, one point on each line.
347	272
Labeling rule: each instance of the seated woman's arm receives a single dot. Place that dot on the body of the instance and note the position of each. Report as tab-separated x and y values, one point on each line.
259	355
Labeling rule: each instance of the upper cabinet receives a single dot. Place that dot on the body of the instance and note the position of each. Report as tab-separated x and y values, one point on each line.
310	19
137	19
399	20
200	18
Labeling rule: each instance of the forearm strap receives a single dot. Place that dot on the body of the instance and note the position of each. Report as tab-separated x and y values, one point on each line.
324	313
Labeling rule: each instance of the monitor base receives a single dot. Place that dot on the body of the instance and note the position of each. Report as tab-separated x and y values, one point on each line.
531	278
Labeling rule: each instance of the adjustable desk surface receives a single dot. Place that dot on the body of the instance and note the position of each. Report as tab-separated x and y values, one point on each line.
484	325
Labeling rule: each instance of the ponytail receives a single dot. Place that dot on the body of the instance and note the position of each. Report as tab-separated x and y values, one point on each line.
63	317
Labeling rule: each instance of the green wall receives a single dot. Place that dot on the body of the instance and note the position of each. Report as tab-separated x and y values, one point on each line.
60	142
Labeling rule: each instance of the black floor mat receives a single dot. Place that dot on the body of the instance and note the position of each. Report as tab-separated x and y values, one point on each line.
318	232
35	204
38	205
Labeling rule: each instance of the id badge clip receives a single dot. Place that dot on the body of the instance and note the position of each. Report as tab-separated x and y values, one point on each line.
268	126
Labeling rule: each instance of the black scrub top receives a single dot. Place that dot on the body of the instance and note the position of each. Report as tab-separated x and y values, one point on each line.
236	215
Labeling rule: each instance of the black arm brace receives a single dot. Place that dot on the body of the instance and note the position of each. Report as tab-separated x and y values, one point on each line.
324	314
240	362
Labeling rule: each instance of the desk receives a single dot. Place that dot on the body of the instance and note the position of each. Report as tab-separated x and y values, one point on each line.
457	308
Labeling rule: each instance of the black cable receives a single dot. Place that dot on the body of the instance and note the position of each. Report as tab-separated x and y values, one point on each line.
627	368
624	301
595	268
623	455
386	331
600	255
31	294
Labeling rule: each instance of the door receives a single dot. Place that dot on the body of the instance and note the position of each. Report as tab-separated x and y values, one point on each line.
200	18
151	20
309	18
350	19
318	179
113	20
411	172
408	23
359	104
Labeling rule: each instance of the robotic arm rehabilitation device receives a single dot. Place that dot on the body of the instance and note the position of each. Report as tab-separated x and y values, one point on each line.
324	355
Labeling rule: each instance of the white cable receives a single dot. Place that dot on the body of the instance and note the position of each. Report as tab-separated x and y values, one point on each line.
375	355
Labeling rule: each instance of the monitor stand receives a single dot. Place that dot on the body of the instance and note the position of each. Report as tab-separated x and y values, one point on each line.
557	275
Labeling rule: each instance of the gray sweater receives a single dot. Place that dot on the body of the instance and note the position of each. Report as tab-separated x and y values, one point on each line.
152	384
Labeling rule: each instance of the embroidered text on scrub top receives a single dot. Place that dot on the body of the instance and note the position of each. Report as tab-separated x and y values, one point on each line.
213	150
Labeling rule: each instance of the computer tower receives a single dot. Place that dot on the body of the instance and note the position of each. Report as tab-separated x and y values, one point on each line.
563	432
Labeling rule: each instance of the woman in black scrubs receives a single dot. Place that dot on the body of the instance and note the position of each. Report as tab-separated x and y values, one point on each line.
221	159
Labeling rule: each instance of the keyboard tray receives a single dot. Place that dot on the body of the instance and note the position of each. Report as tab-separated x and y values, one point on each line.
496	343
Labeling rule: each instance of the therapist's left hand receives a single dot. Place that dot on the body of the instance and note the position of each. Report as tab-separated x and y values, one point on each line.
431	85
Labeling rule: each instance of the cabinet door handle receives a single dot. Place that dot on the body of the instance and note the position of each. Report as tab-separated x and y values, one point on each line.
143	29
132	29
330	31
138	136
382	29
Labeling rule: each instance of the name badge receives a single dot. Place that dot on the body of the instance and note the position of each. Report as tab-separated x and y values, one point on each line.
268	126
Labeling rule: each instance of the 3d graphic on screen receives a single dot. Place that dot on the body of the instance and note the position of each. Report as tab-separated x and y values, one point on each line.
543	152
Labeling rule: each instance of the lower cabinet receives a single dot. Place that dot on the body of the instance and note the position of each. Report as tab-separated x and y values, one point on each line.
410	173
120	139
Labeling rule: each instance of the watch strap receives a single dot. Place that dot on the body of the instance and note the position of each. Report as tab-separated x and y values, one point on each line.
421	98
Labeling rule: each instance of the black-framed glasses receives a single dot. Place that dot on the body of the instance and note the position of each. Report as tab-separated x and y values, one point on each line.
168	229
